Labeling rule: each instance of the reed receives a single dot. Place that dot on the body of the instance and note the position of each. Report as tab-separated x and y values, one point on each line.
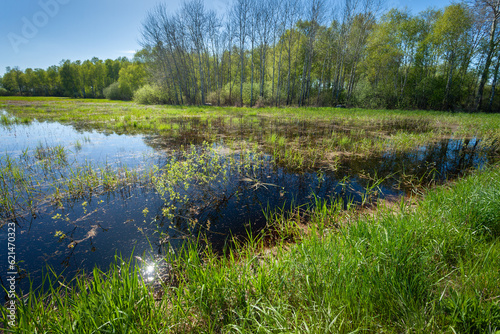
46	176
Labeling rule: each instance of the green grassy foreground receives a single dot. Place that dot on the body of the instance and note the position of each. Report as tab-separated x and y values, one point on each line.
429	268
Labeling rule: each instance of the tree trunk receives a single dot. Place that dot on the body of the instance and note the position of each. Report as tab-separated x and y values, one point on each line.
446	101
242	74
251	80
493	85
289	67
202	79
484	75
278	100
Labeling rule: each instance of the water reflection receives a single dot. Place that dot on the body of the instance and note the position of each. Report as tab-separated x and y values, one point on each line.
440	161
85	232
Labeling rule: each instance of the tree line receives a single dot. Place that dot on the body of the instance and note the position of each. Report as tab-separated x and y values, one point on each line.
314	52
307	53
94	78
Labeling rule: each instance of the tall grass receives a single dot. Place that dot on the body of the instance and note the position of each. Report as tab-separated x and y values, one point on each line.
426	269
92	306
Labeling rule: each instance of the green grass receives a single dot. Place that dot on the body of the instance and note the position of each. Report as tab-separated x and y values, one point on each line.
430	268
104	110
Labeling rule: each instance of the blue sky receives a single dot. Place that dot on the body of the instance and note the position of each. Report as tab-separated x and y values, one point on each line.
40	33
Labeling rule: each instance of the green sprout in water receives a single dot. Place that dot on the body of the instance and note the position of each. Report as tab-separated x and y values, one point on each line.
60	235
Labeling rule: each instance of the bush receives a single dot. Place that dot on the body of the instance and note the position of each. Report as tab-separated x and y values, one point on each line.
152	95
116	91
4	92
223	98
220	97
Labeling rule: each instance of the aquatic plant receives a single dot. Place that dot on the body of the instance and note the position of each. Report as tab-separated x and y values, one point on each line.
45	175
195	178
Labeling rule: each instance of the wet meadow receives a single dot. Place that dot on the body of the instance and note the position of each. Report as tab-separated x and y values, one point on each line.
220	219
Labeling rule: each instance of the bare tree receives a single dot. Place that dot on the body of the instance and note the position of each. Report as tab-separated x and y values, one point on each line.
292	9
310	28
240	19
153	33
253	20
228	38
194	19
491	10
283	15
216	44
263	31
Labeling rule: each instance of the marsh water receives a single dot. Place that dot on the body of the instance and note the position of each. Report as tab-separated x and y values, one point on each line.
86	230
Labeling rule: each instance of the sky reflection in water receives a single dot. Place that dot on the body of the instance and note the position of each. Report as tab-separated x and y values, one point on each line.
116	223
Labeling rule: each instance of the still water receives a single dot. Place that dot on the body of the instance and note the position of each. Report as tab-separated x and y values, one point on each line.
84	231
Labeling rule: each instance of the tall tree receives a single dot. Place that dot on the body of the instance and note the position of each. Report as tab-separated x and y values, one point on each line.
310	28
450	38
240	16
194	18
490	9
9	81
494	84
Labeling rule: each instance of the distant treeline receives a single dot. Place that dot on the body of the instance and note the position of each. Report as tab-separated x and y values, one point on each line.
95	78
307	53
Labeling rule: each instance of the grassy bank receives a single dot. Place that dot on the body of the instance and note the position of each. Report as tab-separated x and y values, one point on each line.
426	268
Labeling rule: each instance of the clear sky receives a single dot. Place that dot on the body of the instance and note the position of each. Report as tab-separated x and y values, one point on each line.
40	33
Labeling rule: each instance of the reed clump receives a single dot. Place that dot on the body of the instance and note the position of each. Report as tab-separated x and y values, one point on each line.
46	175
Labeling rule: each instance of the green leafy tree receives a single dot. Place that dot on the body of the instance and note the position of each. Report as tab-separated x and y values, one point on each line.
391	55
53	81
69	78
3	91
98	77
41	86
449	37
9	81
489	10
131	78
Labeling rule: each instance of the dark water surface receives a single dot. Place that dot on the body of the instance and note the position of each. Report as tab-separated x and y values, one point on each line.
89	231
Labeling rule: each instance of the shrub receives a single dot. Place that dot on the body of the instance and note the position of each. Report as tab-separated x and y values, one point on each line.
212	98
4	92
259	103
117	91
149	94
222	96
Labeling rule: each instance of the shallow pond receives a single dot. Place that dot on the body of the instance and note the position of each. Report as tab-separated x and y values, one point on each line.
71	226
